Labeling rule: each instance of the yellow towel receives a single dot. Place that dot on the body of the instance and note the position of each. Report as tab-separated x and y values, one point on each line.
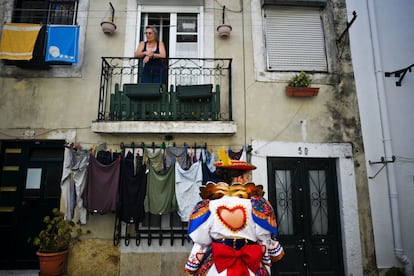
18	41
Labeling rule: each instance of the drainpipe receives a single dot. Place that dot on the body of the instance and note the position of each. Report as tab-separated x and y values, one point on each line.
386	135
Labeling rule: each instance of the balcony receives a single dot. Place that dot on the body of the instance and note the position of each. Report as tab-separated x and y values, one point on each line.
195	98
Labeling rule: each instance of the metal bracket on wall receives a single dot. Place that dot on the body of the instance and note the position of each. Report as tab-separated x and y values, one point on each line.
399	74
340	46
383	162
348	25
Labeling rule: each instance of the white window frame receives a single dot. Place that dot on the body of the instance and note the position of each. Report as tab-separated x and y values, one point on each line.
205	31
69	71
259	50
295	40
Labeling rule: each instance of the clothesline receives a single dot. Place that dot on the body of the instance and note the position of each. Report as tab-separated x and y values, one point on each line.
192	148
163	145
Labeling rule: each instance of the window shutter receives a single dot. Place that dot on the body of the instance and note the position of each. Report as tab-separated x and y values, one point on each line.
314	3
171	2
294	39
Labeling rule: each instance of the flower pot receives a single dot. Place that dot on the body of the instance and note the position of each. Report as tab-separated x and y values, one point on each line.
53	263
191	92
143	90
301	91
108	27
224	30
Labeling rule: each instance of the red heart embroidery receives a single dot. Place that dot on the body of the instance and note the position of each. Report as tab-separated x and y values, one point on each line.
232	218
199	256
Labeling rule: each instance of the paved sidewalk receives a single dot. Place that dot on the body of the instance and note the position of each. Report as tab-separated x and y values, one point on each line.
19	272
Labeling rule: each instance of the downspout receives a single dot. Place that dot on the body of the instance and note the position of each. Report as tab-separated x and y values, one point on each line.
386	135
244	74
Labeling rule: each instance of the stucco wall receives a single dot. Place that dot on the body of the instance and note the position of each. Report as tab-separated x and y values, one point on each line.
101	257
46	108
379	41
94	257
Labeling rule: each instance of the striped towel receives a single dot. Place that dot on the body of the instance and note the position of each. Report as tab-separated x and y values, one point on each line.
18	41
62	43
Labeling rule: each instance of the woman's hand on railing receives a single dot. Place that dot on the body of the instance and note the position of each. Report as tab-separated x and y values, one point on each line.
146	59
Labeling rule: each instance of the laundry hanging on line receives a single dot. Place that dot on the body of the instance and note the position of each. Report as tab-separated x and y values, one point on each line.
139	165
62	43
18	41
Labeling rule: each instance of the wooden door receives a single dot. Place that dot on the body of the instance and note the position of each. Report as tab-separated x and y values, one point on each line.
29	189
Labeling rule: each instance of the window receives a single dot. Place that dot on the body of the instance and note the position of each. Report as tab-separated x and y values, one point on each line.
180	32
167	228
292	36
54	12
187	42
62	12
57	12
187	28
294	39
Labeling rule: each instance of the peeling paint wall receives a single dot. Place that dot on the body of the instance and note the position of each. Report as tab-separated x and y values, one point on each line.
94	257
346	126
52	108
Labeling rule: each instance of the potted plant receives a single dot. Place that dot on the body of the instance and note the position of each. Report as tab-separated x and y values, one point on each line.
224	30
53	243
109	27
299	86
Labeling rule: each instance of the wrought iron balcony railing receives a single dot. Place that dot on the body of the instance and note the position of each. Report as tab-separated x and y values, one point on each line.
195	89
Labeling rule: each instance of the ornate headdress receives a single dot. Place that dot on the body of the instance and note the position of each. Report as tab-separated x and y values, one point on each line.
216	191
227	163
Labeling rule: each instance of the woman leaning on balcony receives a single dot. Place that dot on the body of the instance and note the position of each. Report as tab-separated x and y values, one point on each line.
153	52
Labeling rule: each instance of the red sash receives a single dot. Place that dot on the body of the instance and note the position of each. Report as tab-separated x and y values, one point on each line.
235	261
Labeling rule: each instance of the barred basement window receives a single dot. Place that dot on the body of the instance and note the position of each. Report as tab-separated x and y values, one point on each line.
151	229
164	229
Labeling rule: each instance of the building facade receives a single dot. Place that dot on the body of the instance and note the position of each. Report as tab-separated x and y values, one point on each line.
382	65
220	91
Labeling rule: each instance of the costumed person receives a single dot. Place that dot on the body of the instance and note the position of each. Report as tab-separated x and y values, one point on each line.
234	227
153	52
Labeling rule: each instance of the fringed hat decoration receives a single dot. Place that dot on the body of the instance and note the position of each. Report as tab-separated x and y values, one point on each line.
218	190
227	163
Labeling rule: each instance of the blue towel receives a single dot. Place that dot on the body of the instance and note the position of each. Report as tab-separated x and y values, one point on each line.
62	43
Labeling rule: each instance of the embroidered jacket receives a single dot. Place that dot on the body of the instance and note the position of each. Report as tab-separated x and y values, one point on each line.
231	212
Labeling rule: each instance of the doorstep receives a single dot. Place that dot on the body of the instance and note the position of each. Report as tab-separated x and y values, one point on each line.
19	272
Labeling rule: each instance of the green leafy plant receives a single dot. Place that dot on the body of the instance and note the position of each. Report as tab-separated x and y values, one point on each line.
300	80
58	233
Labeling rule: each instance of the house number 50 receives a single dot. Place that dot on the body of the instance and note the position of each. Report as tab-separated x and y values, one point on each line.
303	151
